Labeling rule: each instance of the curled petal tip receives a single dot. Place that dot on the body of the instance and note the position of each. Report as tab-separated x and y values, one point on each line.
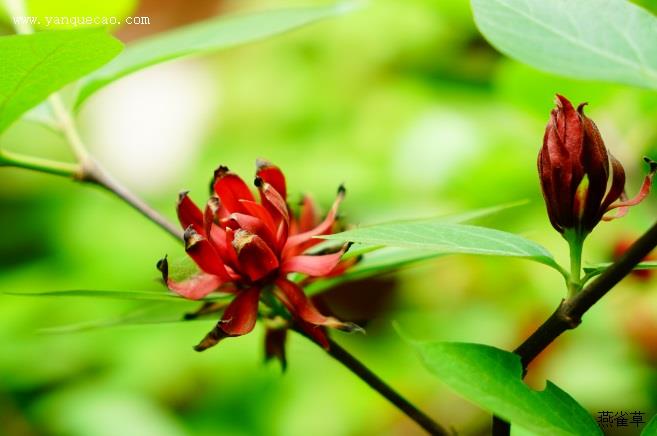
651	163
214	203
191	237
351	327
211	339
182	195
262	163
163	266
221	171
580	107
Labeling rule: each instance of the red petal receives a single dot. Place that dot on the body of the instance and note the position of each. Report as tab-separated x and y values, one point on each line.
300	306
259	211
275	345
238	319
315	266
316	333
271	174
241	314
231	189
297	244
188	212
256	259
309	216
195	287
252	225
625	204
204	254
272	200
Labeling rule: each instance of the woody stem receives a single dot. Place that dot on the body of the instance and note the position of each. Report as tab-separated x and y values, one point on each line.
568	314
365	374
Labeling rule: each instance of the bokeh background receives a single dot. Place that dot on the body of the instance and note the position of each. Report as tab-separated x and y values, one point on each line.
406	104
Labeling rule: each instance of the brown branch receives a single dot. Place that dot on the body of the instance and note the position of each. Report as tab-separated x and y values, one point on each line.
360	370
570	311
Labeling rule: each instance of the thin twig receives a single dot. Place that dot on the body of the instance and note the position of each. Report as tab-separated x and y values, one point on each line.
570	311
364	373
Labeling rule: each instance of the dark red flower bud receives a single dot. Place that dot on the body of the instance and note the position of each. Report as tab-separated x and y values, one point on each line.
580	179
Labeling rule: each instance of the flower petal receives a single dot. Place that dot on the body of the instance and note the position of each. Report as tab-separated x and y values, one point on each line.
256	259
195	287
272	200
238	319
204	254
297	244
259	211
188	212
309	216
231	189
273	175
315	266
300	306
252	225
624	205
275	345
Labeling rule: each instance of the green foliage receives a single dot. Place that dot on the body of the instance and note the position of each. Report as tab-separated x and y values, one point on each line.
491	378
448	238
211	35
121	295
651	428
34	66
612	40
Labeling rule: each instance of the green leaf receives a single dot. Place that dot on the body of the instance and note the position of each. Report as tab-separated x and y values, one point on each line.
119	295
211	35
374	263
378	260
651	428
34	66
491	378
448	238
150	314
612	40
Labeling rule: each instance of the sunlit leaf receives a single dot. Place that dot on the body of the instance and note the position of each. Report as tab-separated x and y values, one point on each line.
448	238
651	428
211	35
491	378
119	295
150	314
379	259
34	66
612	40
378	262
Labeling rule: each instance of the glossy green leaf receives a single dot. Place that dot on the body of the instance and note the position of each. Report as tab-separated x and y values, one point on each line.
491	378
118	295
448	238
211	35
151	313
612	40
34	66
378	259
375	263
651	428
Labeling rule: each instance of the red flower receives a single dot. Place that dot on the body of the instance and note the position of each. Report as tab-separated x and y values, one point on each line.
576	168
248	248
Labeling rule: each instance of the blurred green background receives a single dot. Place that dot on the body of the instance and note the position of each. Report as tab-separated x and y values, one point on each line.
407	105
